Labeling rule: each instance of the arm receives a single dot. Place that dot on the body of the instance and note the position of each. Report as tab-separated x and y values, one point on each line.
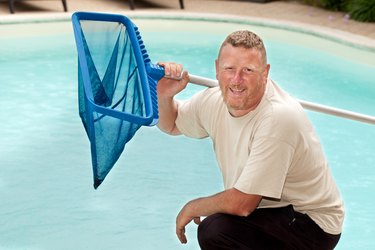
167	88
231	201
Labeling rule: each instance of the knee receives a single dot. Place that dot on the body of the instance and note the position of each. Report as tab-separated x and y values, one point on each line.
213	231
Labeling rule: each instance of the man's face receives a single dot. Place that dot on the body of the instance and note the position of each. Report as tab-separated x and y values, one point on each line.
242	76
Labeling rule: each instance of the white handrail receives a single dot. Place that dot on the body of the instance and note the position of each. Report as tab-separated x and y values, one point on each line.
207	82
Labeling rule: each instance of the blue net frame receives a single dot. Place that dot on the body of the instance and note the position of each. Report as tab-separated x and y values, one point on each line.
116	85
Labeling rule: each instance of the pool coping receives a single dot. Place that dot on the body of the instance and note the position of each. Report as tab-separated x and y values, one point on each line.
343	37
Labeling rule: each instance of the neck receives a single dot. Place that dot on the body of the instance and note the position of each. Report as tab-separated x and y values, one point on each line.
242	112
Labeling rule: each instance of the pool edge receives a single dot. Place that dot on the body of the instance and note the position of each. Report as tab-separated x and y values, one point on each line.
343	37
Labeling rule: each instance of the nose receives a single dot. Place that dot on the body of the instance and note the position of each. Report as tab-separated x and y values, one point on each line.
237	77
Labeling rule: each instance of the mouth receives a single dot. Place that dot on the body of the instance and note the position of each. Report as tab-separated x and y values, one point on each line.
236	91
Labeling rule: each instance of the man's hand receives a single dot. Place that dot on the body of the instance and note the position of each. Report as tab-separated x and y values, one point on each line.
183	218
231	201
174	80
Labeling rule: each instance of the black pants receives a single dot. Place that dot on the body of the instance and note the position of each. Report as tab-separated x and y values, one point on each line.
265	228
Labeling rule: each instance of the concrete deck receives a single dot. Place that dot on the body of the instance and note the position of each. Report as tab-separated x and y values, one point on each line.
285	12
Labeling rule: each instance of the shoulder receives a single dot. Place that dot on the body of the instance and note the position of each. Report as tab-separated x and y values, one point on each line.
205	100
208	95
282	115
197	114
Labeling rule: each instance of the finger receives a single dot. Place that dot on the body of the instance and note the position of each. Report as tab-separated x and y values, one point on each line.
179	71
185	76
181	235
167	68
172	72
197	220
175	71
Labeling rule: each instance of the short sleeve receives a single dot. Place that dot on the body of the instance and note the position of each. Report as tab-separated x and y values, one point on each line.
188	119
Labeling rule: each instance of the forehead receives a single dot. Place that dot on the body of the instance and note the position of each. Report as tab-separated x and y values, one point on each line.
231	54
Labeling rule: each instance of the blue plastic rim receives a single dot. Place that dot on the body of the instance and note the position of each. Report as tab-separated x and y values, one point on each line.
147	82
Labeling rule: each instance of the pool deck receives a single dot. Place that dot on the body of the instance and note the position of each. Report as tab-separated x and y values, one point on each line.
286	13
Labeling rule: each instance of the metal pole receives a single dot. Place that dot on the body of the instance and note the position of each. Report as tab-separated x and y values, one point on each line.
207	82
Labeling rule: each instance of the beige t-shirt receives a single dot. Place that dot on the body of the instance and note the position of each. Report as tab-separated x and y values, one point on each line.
272	151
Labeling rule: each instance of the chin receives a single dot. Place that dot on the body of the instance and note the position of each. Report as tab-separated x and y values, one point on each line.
235	103
235	106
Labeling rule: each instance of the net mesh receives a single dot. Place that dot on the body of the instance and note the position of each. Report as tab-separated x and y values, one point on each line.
115	85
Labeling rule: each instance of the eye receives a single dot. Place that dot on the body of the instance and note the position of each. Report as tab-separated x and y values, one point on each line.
248	70
229	70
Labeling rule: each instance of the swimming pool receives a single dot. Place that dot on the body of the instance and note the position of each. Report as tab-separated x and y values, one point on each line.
45	171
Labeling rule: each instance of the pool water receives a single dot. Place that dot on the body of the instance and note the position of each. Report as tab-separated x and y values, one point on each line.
48	201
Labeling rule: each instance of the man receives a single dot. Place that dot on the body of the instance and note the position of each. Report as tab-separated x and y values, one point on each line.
279	192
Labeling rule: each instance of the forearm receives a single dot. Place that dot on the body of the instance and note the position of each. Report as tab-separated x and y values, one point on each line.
167	115
167	88
230	201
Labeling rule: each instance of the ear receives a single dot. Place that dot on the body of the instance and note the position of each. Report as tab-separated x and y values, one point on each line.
217	69
266	71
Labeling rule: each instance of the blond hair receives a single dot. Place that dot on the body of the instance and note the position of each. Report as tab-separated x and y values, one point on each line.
246	39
